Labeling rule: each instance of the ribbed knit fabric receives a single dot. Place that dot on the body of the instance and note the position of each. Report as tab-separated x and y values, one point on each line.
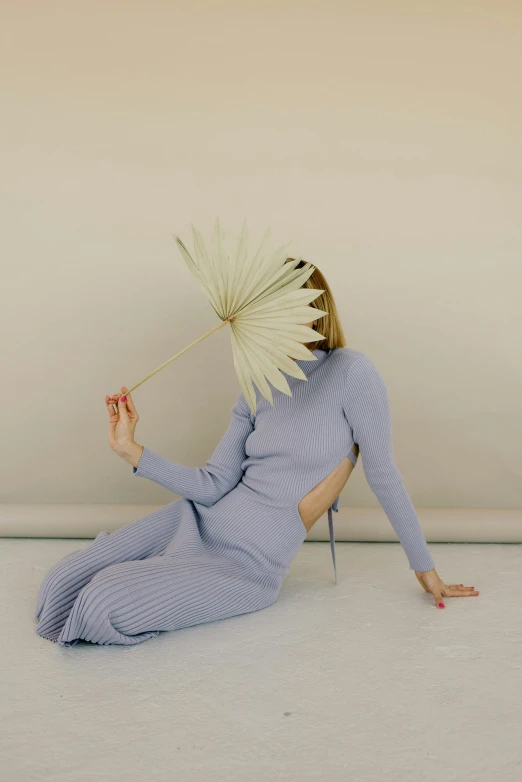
225	547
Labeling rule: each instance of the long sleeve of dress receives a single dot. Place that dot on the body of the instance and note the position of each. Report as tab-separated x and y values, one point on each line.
205	485
367	409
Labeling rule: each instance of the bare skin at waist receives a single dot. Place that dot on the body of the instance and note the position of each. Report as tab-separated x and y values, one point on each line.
319	499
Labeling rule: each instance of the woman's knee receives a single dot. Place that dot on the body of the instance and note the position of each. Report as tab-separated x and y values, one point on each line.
108	602
94	600
111	584
59	578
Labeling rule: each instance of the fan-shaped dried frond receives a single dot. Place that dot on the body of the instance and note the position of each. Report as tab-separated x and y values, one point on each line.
261	295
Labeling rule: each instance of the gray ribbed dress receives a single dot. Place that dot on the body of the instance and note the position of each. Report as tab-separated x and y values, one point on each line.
225	547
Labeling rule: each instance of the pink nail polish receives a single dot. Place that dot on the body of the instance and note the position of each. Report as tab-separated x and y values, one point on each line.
441	605
123	399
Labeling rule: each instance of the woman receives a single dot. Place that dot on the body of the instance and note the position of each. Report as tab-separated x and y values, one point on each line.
225	547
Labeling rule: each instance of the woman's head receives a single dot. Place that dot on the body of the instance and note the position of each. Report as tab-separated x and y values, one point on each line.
329	325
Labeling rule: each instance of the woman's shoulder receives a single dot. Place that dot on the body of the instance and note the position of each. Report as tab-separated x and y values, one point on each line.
347	357
356	365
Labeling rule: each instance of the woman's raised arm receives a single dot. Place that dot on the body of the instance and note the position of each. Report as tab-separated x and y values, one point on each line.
205	485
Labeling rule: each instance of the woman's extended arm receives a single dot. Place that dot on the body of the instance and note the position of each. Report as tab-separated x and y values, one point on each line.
367	409
205	485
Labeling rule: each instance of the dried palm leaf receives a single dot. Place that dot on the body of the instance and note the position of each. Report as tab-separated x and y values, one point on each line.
261	296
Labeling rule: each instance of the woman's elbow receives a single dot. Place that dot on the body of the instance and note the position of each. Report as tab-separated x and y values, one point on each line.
384	479
217	490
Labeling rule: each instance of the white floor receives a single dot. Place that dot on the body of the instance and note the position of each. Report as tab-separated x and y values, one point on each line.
365	681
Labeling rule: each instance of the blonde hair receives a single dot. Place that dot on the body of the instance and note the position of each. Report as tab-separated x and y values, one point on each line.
328	325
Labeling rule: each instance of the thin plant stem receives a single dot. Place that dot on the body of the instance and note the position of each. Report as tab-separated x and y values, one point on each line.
203	336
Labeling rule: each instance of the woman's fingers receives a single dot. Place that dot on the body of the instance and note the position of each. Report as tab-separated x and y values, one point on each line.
455	590
461	588
129	401
433	583
437	594
110	403
125	408
122	406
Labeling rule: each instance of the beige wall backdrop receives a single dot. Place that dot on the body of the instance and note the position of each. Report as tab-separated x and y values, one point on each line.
382	139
